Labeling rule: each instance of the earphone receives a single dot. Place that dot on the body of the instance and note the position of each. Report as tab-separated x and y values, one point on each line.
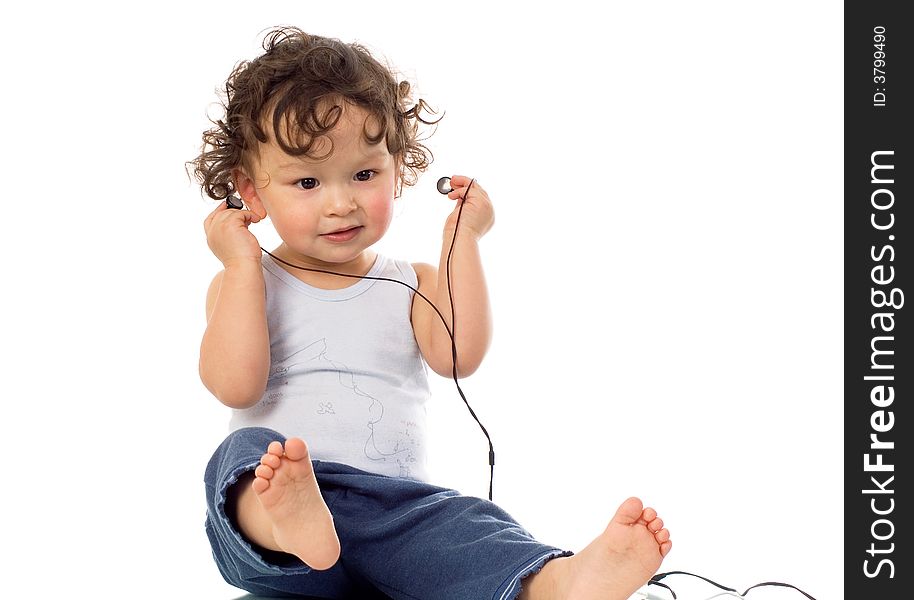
444	187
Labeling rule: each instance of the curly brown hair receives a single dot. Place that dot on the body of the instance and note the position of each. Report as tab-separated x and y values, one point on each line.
306	80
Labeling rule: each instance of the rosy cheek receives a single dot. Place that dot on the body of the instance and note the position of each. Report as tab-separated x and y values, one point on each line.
382	208
293	223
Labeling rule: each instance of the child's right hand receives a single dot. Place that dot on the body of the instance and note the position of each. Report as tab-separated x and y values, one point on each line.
227	234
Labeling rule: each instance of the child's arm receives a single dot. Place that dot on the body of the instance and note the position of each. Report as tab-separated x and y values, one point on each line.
235	352
468	285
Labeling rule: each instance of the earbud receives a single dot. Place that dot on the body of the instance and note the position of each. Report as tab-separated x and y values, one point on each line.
444	185
234	202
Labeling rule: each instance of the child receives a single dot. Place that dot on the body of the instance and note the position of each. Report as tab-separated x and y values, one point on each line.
320	489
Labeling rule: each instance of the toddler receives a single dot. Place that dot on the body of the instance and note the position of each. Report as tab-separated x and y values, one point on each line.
321	489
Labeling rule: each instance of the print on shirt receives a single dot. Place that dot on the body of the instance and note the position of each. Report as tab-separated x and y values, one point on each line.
382	441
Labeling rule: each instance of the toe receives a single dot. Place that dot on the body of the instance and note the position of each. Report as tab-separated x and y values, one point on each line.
655	525
264	472
260	485
270	460
662	536
665	548
629	511
275	448
296	449
649	514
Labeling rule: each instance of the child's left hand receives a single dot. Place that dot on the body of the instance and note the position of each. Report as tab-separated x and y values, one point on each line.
478	216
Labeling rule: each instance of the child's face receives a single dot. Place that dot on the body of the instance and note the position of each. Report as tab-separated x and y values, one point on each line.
329	211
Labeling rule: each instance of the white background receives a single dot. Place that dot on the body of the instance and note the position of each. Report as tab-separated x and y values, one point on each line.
665	271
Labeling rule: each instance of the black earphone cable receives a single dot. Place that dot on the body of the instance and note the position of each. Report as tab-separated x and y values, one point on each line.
450	330
453	333
655	580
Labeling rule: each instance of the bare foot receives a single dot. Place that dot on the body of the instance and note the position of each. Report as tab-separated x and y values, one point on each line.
621	560
302	525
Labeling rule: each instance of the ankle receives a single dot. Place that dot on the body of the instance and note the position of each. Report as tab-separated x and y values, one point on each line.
544	584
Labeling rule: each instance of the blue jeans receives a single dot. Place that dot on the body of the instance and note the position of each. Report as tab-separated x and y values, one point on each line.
400	538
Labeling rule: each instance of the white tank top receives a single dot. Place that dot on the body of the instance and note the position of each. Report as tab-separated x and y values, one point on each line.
346	374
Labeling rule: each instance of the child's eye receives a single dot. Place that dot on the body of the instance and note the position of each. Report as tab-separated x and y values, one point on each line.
365	175
308	183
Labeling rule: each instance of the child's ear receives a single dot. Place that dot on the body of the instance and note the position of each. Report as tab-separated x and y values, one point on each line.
247	189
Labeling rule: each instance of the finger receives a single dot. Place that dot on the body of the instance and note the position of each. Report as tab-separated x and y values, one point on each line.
221	207
462	191
463	185
242	216
250	216
460	181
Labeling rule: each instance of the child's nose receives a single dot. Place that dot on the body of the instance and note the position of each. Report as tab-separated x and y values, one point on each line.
339	201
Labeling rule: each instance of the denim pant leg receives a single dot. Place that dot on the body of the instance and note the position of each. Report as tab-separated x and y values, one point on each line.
254	569
407	539
416	541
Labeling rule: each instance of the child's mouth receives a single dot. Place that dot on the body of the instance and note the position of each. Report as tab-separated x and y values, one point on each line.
343	235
